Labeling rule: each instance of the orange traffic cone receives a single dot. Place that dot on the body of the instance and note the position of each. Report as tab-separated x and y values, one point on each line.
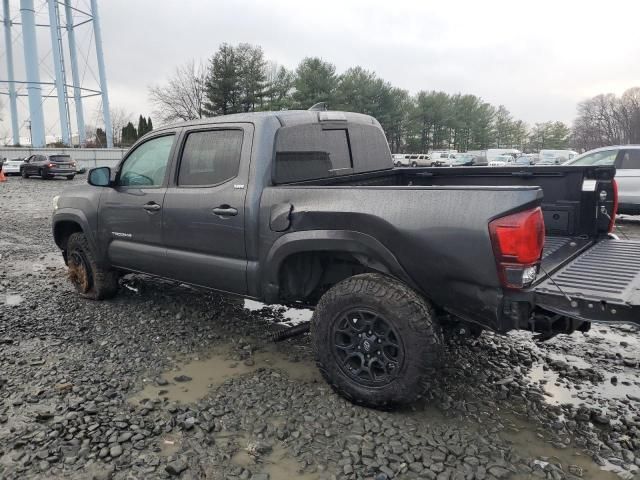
2	177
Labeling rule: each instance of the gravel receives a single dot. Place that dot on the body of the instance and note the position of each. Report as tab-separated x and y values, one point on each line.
73	375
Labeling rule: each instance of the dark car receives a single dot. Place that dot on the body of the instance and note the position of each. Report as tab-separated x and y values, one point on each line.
48	166
464	160
305	208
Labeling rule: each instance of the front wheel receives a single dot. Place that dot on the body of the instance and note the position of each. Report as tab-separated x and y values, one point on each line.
376	341
70	177
24	173
89	279
414	164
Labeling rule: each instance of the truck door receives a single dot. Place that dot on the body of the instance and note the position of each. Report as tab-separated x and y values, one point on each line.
628	178
204	209
130	213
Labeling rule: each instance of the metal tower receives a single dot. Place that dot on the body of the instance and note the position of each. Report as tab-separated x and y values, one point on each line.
76	16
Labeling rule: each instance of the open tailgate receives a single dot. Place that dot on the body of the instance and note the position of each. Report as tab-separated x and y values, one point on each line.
601	284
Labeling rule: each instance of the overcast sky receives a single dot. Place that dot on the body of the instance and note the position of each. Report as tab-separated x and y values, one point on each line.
538	58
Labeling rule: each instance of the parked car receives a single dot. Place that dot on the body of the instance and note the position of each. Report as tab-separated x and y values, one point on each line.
502	161
446	159
561	155
492	154
464	160
48	166
626	159
305	208
401	160
12	167
423	160
523	160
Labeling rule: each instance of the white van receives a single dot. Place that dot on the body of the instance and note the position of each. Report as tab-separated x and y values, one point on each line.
400	160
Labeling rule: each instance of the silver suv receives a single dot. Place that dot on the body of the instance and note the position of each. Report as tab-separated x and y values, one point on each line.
626	159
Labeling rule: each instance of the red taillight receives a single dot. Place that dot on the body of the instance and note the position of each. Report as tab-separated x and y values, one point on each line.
614	211
518	240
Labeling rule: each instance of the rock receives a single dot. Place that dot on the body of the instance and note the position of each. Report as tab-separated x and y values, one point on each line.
115	451
161	382
176	467
182	378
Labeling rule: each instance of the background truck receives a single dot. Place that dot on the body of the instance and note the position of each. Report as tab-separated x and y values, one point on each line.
305	208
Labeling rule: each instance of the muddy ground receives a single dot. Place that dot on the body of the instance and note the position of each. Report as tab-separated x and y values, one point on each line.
168	381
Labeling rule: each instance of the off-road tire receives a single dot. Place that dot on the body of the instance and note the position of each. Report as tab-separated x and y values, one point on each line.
100	283
410	315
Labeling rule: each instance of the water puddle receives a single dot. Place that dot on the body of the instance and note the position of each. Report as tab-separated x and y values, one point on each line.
559	391
527	442
291	316
193	380
279	463
12	299
46	262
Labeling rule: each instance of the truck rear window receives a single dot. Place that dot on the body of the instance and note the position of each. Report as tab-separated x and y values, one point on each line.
308	152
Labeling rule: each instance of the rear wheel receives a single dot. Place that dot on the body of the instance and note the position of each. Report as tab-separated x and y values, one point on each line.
376	341
89	279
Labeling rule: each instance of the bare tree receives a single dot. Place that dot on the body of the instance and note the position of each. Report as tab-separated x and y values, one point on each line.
119	118
183	96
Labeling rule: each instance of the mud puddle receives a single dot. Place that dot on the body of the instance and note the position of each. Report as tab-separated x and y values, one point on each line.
530	443
194	379
47	262
278	463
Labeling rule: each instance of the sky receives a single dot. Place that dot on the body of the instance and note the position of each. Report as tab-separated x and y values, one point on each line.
538	58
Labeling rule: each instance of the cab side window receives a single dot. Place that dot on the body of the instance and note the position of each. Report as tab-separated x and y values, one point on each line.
210	158
147	164
631	159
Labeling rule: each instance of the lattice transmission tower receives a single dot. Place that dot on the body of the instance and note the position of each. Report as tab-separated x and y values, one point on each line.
27	75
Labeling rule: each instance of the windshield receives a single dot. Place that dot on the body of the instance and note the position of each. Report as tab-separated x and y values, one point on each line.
605	157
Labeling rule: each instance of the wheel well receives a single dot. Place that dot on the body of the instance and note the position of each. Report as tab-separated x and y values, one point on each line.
305	276
63	230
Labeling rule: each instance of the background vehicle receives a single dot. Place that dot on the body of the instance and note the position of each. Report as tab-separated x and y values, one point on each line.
306	209
422	160
561	155
48	166
12	167
464	160
523	160
502	161
493	153
626	159
401	160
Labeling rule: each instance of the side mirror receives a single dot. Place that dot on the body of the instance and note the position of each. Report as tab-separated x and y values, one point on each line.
99	177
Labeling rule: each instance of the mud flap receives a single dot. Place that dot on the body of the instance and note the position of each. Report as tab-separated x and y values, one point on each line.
602	284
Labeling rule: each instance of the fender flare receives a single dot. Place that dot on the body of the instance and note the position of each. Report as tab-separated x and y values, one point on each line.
325	241
76	216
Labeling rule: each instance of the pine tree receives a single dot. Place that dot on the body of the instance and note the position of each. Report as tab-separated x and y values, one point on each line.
149	125
142	126
222	86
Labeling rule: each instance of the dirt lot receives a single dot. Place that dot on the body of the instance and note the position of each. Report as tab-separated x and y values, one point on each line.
168	381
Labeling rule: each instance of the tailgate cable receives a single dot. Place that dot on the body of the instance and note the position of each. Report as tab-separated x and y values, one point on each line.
554	282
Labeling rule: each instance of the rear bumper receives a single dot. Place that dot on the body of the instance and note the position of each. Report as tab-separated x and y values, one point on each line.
10	169
602	284
60	171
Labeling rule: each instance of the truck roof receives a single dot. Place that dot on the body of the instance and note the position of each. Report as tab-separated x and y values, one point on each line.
285	117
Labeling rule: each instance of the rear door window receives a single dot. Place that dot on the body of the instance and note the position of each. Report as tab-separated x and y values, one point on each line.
310	152
210	158
631	160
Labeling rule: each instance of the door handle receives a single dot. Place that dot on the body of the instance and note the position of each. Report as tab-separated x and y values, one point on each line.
225	211
151	207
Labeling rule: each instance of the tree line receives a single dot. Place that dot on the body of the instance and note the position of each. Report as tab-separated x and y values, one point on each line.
608	120
239	78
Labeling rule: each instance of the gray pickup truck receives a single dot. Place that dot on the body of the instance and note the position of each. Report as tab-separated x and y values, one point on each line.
304	208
